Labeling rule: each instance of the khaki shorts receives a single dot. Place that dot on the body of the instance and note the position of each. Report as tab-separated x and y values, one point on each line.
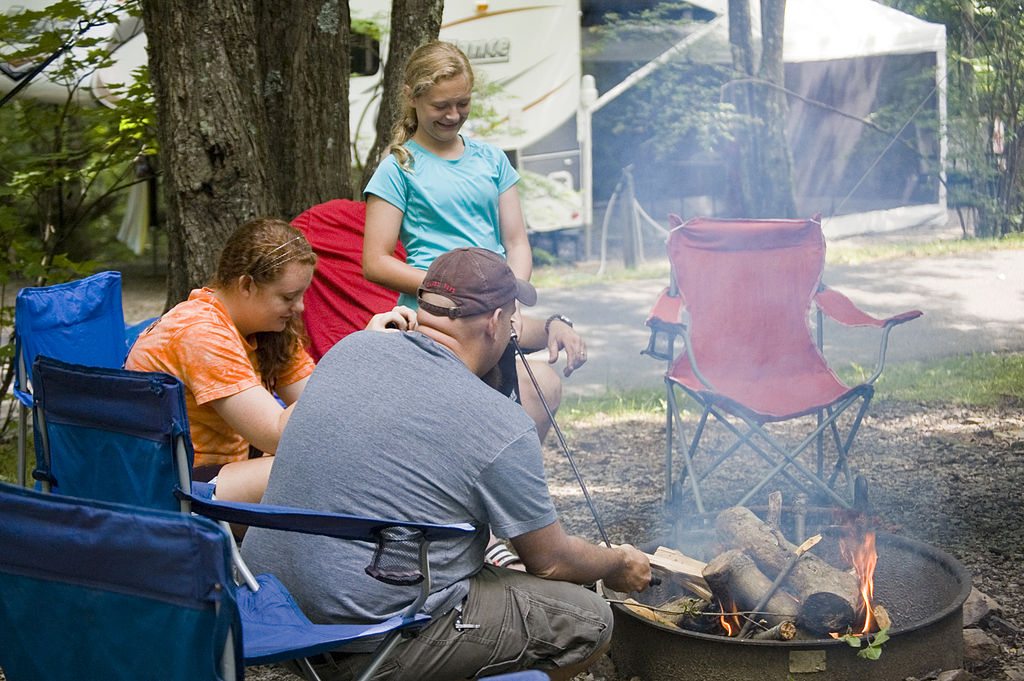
510	621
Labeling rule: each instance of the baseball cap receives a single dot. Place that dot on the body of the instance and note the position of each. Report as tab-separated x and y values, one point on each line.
475	280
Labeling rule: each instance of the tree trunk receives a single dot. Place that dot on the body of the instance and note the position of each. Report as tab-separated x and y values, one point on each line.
762	162
776	198
304	64
413	23
212	129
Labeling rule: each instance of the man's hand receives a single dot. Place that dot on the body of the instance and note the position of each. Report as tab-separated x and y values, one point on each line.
635	573
399	318
561	336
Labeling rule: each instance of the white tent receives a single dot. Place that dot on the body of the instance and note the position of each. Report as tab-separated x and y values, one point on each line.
842	52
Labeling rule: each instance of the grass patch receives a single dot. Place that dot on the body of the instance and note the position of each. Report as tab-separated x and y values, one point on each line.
640	402
981	380
852	254
839	253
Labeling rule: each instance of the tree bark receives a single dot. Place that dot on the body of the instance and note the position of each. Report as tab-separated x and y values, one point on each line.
211	129
733	576
762	162
413	23
305	66
777	195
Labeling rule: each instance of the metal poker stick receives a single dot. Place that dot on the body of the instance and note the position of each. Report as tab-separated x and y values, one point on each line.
561	440
655	580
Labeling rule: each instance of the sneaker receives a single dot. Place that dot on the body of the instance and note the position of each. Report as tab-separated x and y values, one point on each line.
499	555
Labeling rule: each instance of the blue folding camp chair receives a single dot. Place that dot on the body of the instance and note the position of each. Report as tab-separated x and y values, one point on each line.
79	321
92	590
122	436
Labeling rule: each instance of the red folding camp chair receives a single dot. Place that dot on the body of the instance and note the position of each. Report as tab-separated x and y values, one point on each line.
740	300
340	300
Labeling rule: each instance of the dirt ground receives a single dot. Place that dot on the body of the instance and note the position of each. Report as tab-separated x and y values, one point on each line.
941	474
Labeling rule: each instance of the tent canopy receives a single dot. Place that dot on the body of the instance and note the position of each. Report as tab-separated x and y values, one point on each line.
822	30
858	73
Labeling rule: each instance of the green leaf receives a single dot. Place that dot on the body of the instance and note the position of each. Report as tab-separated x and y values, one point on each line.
870	653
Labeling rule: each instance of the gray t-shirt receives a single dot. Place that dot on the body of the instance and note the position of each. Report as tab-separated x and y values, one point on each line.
394	425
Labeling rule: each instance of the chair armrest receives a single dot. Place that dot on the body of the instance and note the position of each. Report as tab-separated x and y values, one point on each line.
665	320
840	308
667	309
358	528
308	521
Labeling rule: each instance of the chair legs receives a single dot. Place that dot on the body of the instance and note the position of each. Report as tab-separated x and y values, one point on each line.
751	434
22	444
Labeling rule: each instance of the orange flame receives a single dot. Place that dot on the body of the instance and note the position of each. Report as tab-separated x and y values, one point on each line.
730	623
863	557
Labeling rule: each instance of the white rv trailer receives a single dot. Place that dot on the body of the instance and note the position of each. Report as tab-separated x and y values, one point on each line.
529	50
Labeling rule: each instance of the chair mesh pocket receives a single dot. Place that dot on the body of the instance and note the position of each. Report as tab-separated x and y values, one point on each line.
396	560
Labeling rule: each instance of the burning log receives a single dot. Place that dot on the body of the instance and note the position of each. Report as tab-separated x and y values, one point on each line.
733	574
829	597
783	631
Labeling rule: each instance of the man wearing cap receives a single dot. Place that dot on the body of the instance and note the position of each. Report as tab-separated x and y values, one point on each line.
399	425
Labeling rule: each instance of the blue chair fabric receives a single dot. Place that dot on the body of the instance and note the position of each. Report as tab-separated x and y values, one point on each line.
78	321
92	590
111	434
133	427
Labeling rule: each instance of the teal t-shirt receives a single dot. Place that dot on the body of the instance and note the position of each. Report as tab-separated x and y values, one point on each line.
446	203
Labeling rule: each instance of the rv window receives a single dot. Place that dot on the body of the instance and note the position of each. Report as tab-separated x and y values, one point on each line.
365	54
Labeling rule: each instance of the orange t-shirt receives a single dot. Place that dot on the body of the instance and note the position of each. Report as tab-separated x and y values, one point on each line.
197	342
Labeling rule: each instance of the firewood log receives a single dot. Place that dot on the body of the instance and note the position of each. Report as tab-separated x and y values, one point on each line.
682	569
829	597
668	620
783	631
732	575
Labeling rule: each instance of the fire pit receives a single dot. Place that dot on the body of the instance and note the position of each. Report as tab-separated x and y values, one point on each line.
922	587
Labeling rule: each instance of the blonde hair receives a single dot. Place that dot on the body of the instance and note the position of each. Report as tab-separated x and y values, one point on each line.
428	65
261	249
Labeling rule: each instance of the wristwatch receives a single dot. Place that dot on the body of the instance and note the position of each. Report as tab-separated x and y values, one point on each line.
556	317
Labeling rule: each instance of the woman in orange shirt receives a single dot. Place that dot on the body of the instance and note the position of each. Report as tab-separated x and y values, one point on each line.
237	343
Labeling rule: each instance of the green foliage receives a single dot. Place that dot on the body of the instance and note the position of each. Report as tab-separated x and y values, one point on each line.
986	107
870	646
62	165
486	115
